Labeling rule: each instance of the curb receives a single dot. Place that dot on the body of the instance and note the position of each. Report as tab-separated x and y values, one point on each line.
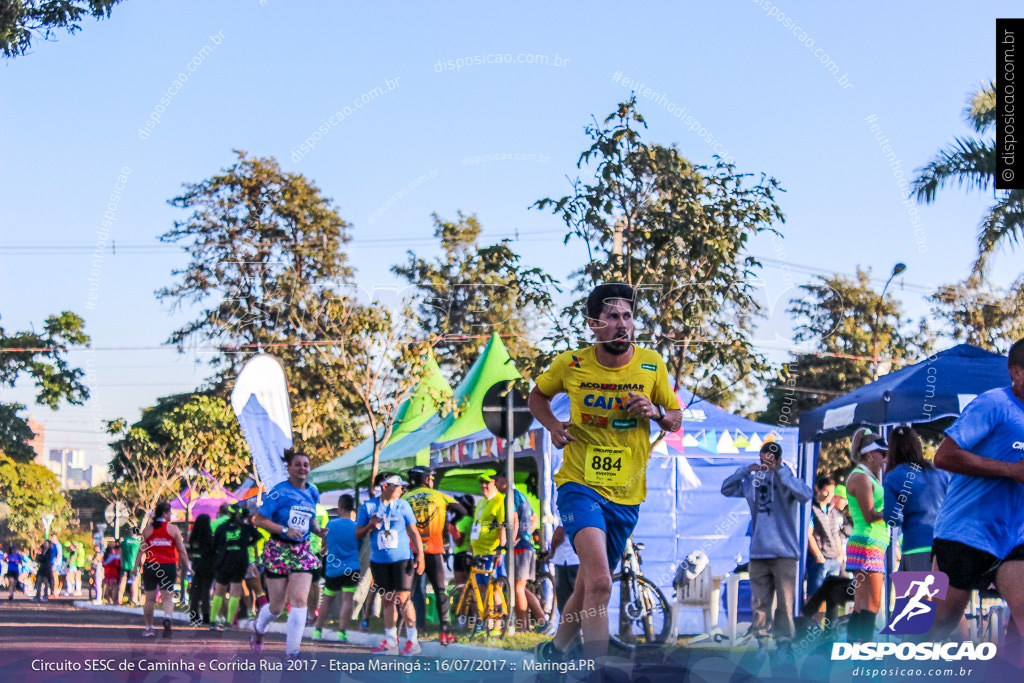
430	648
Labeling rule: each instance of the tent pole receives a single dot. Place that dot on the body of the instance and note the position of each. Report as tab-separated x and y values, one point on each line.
510	502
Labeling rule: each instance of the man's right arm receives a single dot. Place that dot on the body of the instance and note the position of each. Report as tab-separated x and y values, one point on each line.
540	406
953	458
733	484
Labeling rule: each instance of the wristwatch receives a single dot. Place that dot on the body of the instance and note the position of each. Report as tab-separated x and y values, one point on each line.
661	411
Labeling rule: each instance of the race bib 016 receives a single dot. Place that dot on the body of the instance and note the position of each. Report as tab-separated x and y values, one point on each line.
606	465
299	520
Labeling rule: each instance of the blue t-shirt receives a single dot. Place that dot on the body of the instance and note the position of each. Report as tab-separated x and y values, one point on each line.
389	542
56	555
292	508
987	513
913	496
524	538
342	547
14	563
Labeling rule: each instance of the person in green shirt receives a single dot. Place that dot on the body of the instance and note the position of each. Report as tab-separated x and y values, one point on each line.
460	531
129	551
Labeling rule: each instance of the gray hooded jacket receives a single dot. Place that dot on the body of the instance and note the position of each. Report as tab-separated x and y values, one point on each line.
774	499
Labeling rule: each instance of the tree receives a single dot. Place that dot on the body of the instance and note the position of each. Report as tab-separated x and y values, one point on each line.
382	365
971	163
982	315
143	472
30	492
677	232
266	257
836	320
196	429
20	20
43	359
472	291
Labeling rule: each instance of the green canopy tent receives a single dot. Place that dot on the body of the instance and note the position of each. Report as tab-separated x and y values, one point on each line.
410	445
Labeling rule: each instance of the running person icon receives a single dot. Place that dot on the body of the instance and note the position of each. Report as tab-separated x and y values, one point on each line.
915	606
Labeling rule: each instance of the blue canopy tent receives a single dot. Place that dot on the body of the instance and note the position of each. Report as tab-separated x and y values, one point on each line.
685	510
929	395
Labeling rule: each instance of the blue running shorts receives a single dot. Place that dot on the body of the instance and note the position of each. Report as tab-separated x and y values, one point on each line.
581	506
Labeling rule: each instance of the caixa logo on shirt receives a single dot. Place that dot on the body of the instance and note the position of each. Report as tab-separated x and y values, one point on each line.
1018	445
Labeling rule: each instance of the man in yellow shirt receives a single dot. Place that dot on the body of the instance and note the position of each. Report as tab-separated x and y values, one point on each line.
616	389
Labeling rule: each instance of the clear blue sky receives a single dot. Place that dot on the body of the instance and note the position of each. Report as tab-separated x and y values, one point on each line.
276	71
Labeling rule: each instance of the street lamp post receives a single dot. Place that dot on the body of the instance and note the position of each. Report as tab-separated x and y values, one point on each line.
896	270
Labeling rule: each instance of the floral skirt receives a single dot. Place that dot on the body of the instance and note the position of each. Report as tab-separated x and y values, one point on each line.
284	558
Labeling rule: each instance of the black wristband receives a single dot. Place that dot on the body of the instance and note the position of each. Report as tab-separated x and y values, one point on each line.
661	411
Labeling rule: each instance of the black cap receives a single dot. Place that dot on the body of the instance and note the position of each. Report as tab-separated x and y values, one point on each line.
419	474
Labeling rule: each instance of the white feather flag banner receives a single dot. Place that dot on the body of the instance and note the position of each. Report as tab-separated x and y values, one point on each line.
260	402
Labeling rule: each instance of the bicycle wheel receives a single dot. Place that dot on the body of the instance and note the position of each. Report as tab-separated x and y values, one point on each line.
644	614
462	618
544	588
497	617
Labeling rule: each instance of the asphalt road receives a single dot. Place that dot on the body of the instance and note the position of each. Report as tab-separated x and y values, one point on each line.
56	641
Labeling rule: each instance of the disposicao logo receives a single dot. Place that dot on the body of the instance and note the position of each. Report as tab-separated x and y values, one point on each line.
912	613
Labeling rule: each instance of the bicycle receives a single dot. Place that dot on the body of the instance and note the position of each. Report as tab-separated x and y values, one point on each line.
644	614
543	587
485	612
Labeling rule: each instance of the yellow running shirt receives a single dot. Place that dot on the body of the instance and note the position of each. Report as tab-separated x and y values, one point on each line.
485	535
430	506
611	448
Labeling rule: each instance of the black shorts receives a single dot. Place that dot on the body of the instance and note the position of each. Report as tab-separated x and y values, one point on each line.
337	583
967	567
393	576
161	576
461	562
231	574
321	571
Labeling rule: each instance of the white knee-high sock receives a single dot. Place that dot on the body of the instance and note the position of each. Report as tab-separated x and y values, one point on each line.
265	617
293	634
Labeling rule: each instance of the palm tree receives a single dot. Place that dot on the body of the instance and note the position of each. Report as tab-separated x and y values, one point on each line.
970	162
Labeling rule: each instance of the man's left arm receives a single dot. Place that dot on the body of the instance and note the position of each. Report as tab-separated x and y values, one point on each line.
797	488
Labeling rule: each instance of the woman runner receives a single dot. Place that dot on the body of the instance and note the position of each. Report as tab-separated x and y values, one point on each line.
289	514
163	549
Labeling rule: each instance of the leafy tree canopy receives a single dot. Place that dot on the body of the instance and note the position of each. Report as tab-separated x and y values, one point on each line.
678	232
23	20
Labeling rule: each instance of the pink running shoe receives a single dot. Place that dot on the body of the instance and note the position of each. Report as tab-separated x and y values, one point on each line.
386	647
411	648
256	639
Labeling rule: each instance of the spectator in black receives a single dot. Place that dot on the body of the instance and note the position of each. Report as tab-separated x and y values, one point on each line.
202	552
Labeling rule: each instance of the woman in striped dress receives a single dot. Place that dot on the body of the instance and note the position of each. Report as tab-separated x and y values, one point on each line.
865	551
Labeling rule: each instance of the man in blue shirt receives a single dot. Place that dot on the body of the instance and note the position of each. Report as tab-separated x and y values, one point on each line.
342	570
390	524
979	534
525	556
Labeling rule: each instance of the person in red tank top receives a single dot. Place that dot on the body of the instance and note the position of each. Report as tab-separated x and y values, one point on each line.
162	550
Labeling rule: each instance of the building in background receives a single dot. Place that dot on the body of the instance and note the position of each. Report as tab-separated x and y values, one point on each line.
38	443
69	466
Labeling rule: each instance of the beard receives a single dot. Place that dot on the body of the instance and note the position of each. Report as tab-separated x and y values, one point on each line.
617	347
